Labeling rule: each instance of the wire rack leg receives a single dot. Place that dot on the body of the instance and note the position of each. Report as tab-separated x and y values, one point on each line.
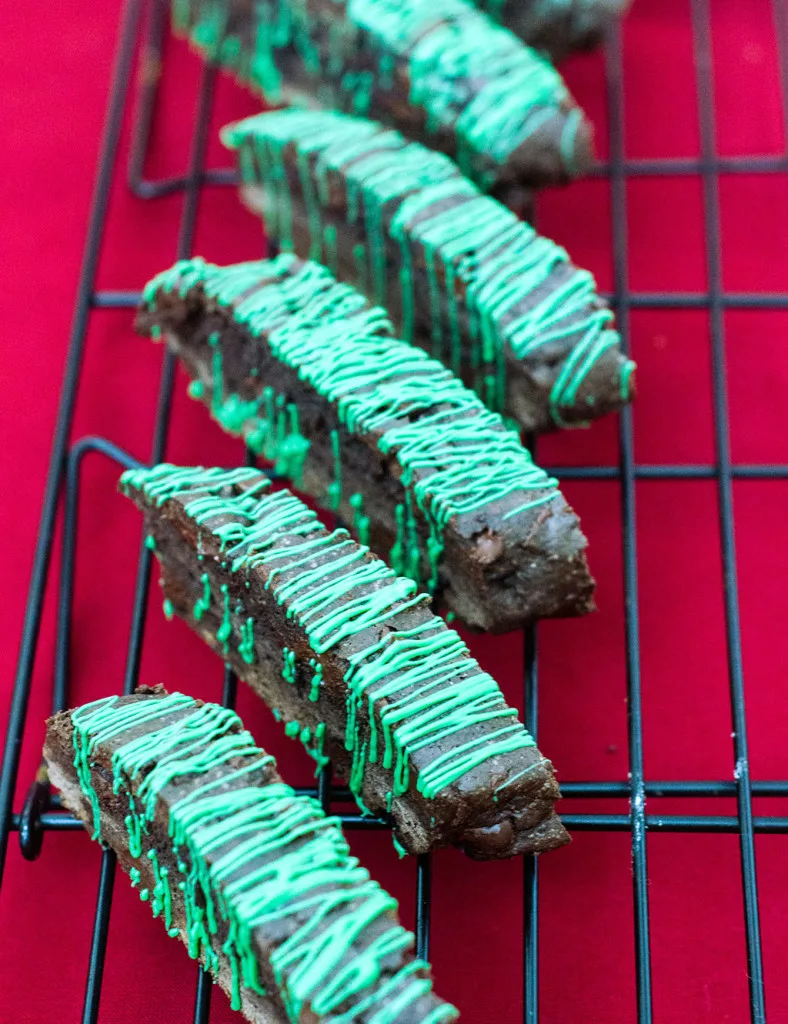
423	904
530	864
637	812
701	24
185	242
98	944
152	60
41	559
202	997
152	66
74	459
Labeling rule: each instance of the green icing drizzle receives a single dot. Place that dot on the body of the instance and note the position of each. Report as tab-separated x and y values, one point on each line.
316	751
289	668
224	632
250	854
421	710
480	88
202	604
335	488
246	644
270	422
418	686
330	242
317	679
405	555
523	298
456	456
360	521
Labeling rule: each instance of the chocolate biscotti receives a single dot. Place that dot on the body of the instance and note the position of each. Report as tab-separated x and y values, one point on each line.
350	657
256	881
556	26
438	70
375	430
459	274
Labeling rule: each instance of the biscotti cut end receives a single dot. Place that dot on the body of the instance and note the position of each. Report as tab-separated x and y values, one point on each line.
578	396
350	659
557	28
540	162
543	574
255	880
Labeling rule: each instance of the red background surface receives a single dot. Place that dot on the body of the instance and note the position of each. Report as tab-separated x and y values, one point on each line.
57	62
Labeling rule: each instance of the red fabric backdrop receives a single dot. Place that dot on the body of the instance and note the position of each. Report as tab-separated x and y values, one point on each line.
57	61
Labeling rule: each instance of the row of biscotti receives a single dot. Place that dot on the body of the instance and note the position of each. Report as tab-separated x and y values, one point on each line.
441	71
255	880
447	478
307	371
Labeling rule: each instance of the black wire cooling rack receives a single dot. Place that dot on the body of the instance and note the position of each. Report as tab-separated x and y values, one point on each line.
41	811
